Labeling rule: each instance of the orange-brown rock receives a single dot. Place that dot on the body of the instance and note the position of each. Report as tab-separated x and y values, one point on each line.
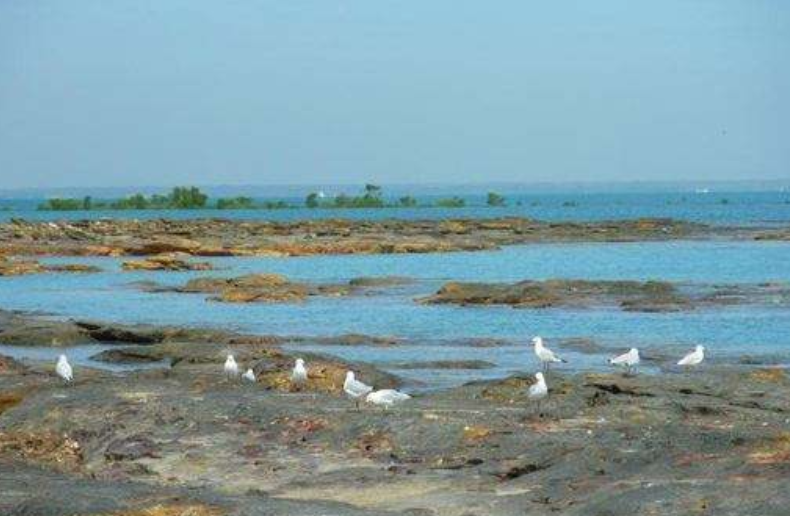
260	288
166	262
165	244
220	237
19	267
13	267
44	447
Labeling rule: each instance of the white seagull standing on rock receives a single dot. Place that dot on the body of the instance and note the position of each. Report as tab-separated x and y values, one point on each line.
231	367
354	388
299	372
538	390
544	354
630	360
694	358
63	368
249	375
387	397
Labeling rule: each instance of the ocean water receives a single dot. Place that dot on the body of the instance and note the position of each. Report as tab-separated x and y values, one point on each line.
443	332
734	208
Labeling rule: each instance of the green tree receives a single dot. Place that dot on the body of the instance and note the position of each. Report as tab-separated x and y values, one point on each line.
494	199
235	203
311	201
57	204
137	201
407	201
276	205
372	190
342	201
187	198
451	202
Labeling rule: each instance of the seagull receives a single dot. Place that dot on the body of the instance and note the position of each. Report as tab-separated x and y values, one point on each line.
354	388
249	375
539	389
299	373
545	355
231	367
630	360
694	358
63	368
386	397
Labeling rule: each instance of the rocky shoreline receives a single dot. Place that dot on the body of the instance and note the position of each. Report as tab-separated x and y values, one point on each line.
220	237
184	440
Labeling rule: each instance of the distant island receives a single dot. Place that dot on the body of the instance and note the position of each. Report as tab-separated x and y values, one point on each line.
192	198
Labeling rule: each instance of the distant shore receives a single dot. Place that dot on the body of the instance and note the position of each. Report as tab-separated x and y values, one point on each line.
192	198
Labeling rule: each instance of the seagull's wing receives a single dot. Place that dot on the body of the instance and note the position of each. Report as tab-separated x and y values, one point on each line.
620	359
535	390
552	357
357	388
64	370
400	396
363	387
387	396
688	359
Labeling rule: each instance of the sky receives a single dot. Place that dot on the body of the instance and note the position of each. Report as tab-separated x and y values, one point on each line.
146	92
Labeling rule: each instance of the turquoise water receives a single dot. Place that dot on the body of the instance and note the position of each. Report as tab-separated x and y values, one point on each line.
442	332
746	208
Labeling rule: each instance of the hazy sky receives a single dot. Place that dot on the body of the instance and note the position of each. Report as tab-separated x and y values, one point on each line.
117	93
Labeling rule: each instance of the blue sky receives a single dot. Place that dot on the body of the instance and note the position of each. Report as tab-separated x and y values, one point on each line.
122	93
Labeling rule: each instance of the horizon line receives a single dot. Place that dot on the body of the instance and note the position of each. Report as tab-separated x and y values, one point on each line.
437	184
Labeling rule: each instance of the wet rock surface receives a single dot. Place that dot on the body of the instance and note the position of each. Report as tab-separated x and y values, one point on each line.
274	288
36	330
259	288
712	441
635	296
375	282
220	237
18	267
166	262
60	494
185	439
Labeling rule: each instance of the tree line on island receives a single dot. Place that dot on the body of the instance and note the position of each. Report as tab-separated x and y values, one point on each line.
191	197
